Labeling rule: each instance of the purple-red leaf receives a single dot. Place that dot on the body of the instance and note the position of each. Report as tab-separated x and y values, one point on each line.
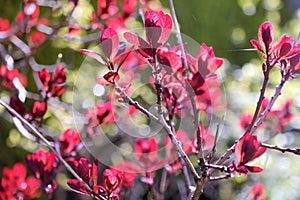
77	186
266	34
110	43
94	55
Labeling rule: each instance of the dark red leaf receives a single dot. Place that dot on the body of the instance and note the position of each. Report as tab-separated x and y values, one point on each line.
266	34
77	186
110	43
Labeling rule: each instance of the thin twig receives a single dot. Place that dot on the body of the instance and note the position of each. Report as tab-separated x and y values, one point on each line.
49	145
136	104
178	35
213	151
179	147
165	125
221	177
163	182
222	168
260	99
282	149
186	175
202	161
268	108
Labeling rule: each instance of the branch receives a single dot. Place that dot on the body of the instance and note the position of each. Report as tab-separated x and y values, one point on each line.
217	178
202	161
178	35
179	147
230	151
261	98
136	104
268	109
222	168
213	151
49	145
295	151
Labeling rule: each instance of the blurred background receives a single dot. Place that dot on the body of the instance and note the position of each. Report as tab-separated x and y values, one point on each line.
228	26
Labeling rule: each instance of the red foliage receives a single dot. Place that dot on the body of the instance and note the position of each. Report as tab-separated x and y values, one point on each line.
172	153
115	53
257	191
15	185
106	8
247	149
283	52
88	172
44	167
158	27
18	105
128	171
146	154
245	120
4	25
36	38
39	109
203	69
207	139
8	76
69	142
111	180
53	86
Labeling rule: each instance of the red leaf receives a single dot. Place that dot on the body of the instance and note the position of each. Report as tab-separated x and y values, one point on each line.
136	40
106	8
158	27
94	55
77	186
59	76
110	43
68	141
112	77
83	169
254	169
144	48
283	46
248	148
256	45
171	60
95	172
4	25
36	38
39	109
266	34
110	180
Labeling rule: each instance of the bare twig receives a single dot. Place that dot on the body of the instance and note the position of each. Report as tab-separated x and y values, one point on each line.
213	151
202	161
178	35
217	178
282	149
136	104
186	175
268	108
260	99
179	147
222	168
165	125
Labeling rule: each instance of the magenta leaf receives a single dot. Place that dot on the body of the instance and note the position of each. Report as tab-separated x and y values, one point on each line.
110	43
94	55
77	186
